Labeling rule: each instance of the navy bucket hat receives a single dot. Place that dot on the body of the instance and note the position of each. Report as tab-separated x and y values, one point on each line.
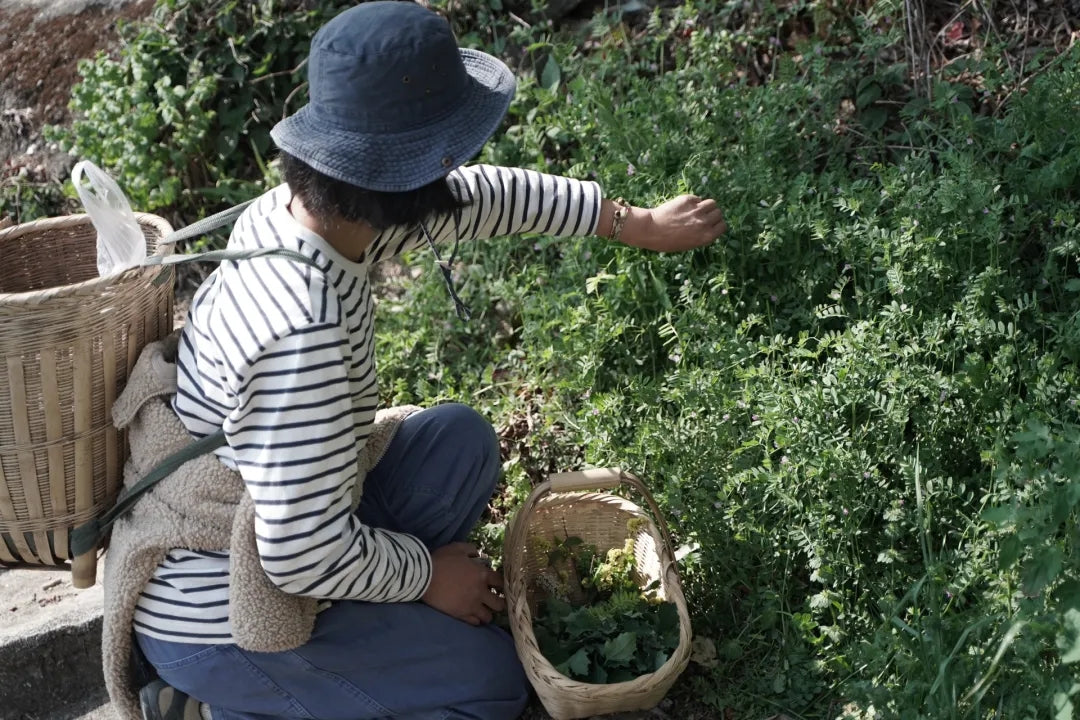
394	103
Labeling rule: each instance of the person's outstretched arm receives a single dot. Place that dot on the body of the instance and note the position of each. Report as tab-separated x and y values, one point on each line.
502	201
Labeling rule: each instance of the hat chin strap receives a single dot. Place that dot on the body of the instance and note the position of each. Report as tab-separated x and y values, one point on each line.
445	266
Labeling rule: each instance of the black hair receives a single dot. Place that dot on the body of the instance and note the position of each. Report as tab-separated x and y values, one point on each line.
328	198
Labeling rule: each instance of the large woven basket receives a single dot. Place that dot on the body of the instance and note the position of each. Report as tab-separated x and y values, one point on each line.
67	342
561	507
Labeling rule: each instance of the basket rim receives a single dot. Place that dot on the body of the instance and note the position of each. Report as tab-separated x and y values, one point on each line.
537	666
36	297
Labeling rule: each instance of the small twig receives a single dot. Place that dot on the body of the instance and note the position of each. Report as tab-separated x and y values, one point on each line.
949	61
1068	34
774	50
945	28
912	148
519	21
1029	78
288	99
236	57
870	143
910	36
1023	50
929	76
989	17
279	73
917	45
997	33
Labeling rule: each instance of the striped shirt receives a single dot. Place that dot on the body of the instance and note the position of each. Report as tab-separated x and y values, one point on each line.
280	354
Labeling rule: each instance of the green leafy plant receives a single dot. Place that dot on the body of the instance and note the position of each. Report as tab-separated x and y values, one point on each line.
858	408
23	200
181	115
595	623
819	398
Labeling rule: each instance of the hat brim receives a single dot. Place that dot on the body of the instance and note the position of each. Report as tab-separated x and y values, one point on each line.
399	162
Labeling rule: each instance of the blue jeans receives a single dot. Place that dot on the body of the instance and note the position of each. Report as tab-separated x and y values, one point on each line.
380	660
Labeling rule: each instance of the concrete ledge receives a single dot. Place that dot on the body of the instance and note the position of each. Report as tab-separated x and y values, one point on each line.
50	646
104	712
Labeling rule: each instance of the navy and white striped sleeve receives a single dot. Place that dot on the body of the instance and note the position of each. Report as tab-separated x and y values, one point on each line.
293	438
504	201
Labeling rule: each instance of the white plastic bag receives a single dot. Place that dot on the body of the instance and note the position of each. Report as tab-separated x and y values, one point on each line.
120	242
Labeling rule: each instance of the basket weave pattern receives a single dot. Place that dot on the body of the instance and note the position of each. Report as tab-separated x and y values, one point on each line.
599	519
67	342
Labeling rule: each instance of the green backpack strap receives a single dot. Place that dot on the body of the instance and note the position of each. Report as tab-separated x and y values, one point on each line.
223	255
201	227
88	536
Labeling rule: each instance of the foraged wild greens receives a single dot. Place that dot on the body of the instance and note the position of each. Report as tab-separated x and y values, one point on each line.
595	623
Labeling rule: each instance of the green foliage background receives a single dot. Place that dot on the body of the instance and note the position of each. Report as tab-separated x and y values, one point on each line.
181	116
858	408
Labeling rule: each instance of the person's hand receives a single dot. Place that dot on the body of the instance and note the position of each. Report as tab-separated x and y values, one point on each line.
462	584
683	223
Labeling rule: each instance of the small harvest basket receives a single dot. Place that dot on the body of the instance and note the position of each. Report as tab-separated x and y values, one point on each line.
68	339
564	506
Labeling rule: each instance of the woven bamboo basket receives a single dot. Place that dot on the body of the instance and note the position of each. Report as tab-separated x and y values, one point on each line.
68	339
563	506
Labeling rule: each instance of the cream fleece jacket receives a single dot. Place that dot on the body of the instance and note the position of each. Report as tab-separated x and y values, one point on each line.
201	506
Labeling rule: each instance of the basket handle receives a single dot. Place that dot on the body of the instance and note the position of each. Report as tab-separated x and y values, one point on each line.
606	479
595	479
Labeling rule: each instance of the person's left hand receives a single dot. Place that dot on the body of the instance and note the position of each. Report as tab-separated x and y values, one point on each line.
682	223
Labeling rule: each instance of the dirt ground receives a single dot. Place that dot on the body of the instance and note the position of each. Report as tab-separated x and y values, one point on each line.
41	42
